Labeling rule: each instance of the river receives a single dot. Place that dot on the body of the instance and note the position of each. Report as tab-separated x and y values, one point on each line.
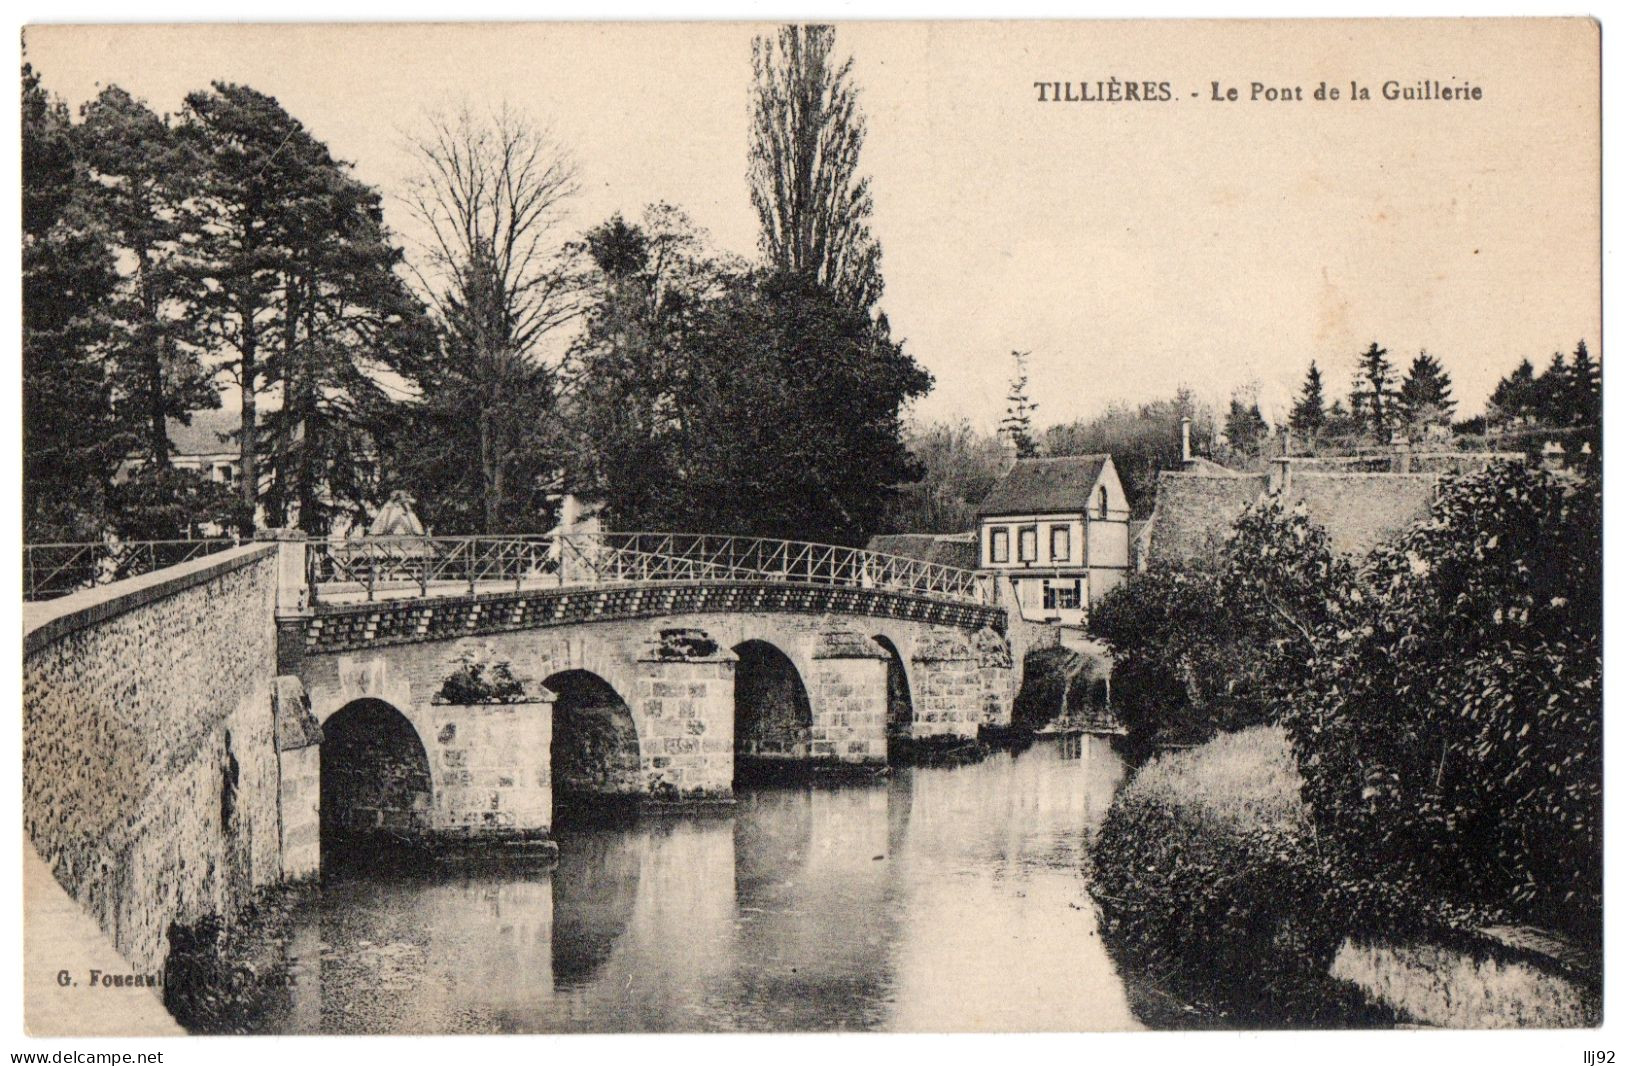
945	898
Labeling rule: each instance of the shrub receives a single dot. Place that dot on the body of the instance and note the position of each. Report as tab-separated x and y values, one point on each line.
477	681
1202	651
1450	728
1209	877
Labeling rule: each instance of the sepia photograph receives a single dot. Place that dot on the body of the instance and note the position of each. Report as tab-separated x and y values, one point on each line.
801	527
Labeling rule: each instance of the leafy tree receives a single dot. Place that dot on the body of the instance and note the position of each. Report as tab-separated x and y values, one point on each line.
631	386
1309	411
1424	396
165	503
1017	426
806	135
1372	399
1202	650
489	194
72	440
1141	440
1449	729
1244	426
146	176
797	432
959	464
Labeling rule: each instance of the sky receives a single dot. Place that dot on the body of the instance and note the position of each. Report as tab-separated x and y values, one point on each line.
1132	248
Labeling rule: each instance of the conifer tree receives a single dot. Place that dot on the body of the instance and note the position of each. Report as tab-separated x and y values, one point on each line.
1018	417
1373	395
1424	395
1309	411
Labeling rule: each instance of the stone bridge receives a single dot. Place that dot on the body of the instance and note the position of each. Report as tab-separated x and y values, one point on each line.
636	666
200	732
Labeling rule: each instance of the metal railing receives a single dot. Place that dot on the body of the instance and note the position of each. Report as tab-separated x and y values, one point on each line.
386	567
52	570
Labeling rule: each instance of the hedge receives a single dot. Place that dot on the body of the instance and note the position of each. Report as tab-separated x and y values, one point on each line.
1210	881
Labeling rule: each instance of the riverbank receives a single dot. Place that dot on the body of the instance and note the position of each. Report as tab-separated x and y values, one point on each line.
1210	876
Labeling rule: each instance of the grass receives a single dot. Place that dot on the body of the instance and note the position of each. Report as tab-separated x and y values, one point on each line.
1247	779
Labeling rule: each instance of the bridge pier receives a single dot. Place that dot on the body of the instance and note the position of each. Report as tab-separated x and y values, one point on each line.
685	700
848	694
492	768
950	690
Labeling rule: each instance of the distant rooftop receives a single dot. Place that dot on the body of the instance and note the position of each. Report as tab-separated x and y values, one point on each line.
948	549
208	434
1045	486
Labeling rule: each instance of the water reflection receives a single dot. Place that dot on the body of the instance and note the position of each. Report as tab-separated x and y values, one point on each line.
947	898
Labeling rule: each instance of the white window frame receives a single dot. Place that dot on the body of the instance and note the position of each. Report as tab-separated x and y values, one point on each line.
1022	533
1064	532
998	536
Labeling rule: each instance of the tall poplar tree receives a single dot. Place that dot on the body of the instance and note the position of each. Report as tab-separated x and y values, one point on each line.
806	135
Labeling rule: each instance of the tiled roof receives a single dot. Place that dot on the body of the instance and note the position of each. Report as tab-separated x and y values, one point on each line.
1358	511
1195	511
947	549
1194	514
1045	486
207	435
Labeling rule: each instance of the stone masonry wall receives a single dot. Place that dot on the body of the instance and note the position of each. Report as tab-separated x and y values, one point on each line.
150	781
848	693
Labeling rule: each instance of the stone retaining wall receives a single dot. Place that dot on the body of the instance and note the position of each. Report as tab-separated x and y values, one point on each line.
150	777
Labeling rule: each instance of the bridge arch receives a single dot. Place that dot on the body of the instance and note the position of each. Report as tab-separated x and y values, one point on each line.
375	776
899	693
596	750
772	710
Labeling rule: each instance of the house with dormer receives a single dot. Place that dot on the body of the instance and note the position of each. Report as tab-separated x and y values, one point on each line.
1058	530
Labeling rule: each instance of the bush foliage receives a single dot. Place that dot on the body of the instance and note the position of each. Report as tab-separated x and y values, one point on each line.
1443	697
1210	878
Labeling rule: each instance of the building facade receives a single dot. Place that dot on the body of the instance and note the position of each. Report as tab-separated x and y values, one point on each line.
1058	529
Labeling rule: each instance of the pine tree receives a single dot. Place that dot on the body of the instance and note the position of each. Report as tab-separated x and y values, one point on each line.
72	441
296	279
1424	396
1244	426
1586	384
1309	412
1017	426
1554	393
146	175
1372	398
1514	398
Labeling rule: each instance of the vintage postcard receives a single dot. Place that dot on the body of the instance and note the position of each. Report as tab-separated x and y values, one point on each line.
753	527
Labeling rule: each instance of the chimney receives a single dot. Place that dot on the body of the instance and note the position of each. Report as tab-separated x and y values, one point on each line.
1185	440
